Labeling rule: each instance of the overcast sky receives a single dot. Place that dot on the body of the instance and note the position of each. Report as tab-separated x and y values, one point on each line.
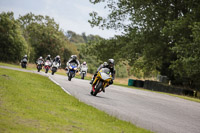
69	14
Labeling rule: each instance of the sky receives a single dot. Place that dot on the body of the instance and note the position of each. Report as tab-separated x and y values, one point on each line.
69	14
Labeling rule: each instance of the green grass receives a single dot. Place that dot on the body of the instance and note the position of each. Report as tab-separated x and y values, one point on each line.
32	103
16	66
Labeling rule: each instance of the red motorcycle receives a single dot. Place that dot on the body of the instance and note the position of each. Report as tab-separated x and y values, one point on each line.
47	65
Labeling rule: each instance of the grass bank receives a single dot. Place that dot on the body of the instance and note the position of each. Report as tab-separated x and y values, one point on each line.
32	103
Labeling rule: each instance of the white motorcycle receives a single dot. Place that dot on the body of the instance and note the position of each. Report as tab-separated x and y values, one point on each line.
83	71
54	67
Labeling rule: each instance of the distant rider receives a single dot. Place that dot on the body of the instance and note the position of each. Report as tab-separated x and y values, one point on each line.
25	57
83	65
48	57
57	59
74	60
40	59
109	65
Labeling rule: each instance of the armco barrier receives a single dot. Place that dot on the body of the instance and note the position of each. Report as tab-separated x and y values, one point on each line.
139	83
157	86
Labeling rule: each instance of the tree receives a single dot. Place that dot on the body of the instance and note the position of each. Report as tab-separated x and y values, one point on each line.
155	31
13	45
44	37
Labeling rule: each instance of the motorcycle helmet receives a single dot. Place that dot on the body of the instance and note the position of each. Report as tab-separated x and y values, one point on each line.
25	55
105	64
58	56
40	57
74	57
84	63
111	63
49	55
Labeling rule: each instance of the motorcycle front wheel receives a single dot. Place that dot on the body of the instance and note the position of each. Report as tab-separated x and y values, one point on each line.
69	76
82	76
98	87
46	70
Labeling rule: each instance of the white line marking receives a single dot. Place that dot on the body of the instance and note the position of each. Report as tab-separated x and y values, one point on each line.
59	85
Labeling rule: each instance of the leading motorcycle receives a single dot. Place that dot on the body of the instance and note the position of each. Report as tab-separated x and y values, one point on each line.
100	82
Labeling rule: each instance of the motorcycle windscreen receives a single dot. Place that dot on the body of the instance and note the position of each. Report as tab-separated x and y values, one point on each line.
105	76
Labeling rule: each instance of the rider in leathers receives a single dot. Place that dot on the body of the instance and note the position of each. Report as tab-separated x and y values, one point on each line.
109	65
73	59
57	59
48	58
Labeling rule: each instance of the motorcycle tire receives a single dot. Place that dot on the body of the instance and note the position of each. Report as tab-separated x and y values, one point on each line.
82	76
97	89
69	77
47	70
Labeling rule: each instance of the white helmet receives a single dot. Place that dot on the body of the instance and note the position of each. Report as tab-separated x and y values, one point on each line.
84	63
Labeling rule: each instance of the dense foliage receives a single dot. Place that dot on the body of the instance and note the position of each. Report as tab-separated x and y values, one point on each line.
13	45
158	35
34	35
45	37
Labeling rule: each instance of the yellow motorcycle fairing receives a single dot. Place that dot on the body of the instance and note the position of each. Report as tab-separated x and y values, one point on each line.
99	77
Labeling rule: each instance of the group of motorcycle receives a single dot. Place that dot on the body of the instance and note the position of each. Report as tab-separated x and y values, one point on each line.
47	66
99	84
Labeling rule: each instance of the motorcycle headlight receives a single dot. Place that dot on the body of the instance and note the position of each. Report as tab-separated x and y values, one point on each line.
70	67
75	68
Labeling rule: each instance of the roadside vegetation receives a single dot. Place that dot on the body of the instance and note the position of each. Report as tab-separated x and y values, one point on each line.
35	104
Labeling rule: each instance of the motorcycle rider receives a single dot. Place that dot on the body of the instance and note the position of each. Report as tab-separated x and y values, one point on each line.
57	59
25	57
40	59
48	57
73	59
109	65
83	64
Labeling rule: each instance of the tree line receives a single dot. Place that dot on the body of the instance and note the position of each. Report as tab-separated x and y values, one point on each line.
158	36
34	35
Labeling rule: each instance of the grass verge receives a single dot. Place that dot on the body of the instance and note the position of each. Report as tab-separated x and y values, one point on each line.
32	103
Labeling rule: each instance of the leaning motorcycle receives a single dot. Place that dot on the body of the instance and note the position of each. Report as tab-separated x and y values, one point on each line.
54	67
47	65
100	82
72	69
39	65
24	63
83	71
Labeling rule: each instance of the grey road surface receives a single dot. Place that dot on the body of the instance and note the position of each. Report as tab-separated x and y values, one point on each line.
153	111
